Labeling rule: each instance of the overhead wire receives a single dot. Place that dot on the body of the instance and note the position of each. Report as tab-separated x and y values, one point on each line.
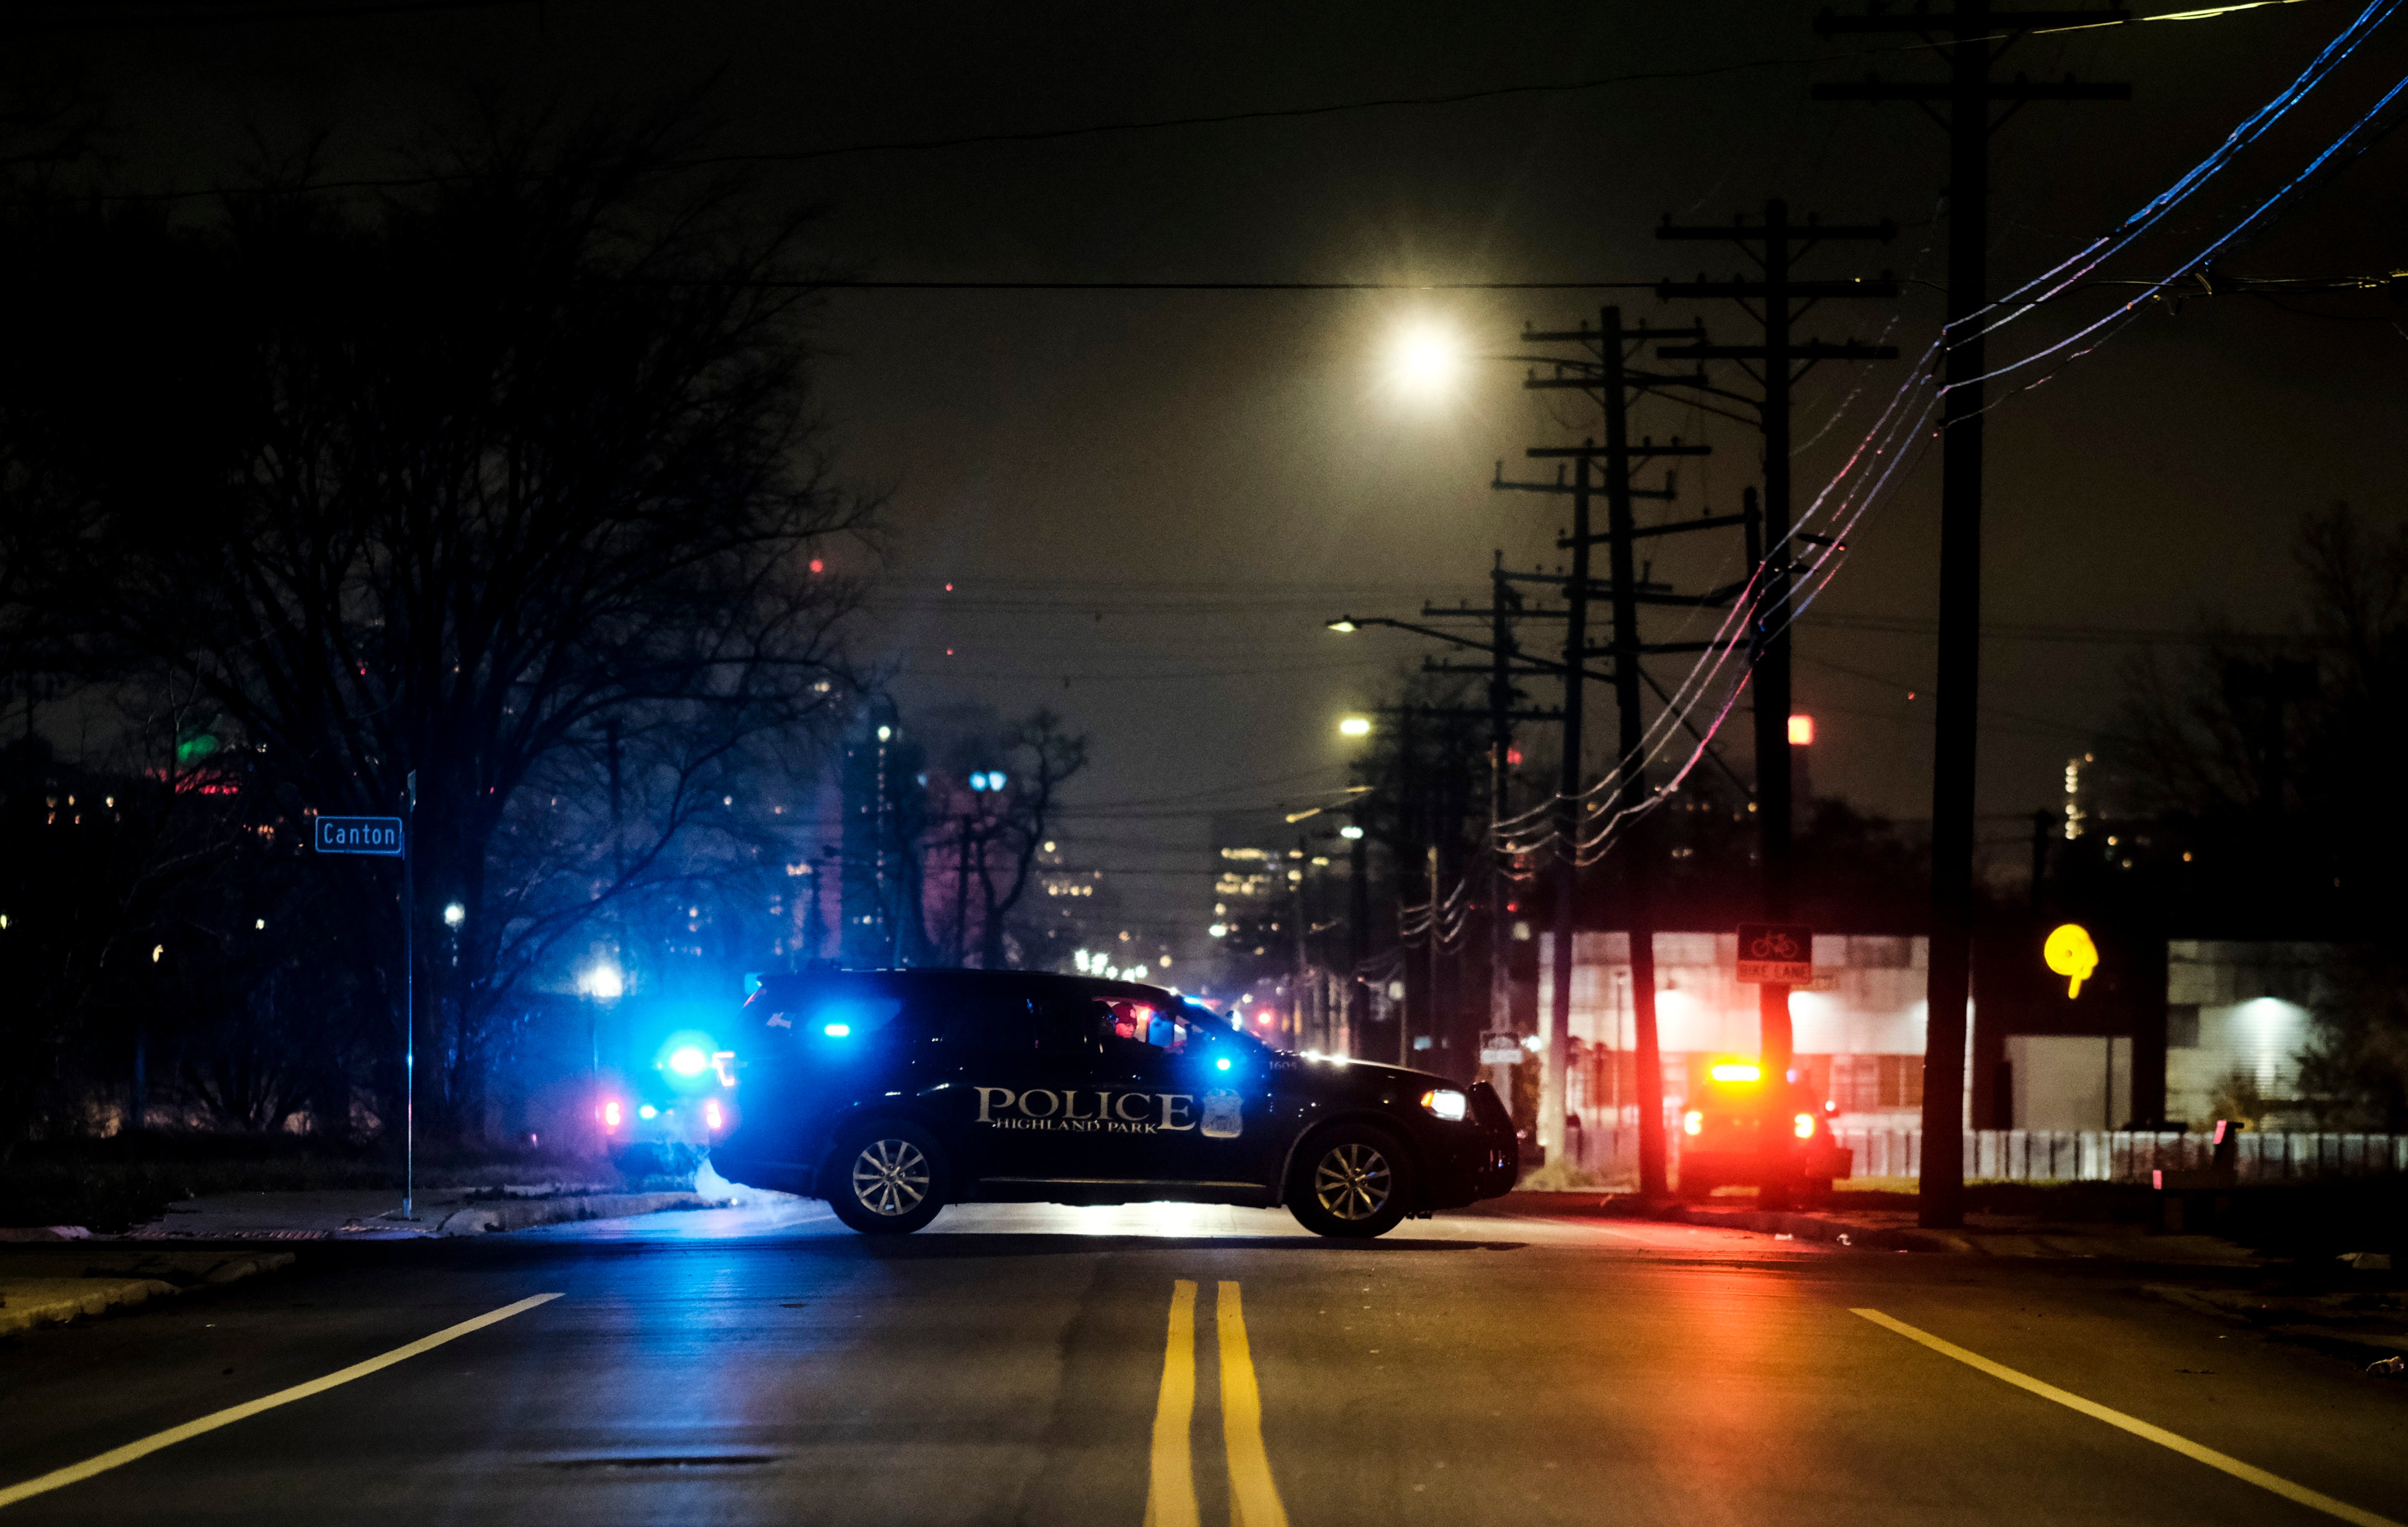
1897	437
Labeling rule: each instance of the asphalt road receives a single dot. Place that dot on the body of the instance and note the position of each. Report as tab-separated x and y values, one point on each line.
1167	1365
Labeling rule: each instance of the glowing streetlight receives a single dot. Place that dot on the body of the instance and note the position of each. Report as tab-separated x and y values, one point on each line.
454	914
1424	359
1349	831
1354	726
602	980
1343	625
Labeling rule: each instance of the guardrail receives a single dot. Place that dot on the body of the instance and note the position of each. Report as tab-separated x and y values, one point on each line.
2061	1155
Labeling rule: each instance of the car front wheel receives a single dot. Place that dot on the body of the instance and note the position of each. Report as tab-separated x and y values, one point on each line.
1351	1182
889	1179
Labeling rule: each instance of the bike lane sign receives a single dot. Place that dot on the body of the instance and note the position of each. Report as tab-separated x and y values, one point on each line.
1776	953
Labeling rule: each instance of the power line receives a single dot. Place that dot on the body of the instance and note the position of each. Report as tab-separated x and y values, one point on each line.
1050	135
91	18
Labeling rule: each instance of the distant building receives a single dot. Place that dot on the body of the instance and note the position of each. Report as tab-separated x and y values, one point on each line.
1858	1029
2237	1017
2213	1028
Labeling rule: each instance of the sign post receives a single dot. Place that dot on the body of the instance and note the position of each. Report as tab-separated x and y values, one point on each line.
1500	1046
388	837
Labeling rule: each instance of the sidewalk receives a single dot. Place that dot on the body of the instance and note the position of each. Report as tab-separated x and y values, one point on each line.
2360	1325
52	1275
376	1215
1895	1229
54	1282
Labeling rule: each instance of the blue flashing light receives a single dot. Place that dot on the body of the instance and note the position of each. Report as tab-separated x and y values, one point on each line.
689	1060
647	1111
1222	1064
837	1030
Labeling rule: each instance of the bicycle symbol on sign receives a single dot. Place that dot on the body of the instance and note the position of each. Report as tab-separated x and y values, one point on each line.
1774	945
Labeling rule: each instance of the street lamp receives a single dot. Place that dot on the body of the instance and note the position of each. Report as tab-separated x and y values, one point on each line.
454	914
1424	359
1354	726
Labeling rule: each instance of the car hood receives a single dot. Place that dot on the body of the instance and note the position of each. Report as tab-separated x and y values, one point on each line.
1372	1077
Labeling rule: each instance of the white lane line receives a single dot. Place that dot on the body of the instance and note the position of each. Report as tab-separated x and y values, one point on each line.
103	1462
2313	1500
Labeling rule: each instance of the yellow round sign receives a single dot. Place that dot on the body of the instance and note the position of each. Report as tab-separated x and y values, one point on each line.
2070	954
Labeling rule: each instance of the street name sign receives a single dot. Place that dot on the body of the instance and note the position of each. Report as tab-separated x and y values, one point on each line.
358	835
1776	953
1498	1047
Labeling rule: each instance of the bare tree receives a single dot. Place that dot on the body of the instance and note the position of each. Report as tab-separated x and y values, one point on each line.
476	483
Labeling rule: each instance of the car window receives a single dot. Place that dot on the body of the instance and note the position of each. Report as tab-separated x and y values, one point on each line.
1209	1034
1142	1023
824	1010
976	1021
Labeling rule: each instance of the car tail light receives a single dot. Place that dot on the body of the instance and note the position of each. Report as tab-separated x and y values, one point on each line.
611	1115
1804	1125
1691	1122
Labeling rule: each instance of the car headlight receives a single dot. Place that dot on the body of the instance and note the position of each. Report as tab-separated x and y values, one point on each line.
1445	1102
1691	1122
1804	1126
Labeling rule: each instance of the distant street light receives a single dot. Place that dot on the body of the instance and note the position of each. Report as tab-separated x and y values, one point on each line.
454	914
1349	831
1343	625
1354	726
602	980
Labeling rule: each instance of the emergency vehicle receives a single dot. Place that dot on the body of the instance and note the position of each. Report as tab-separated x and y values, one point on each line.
1743	1129
665	1095
892	1093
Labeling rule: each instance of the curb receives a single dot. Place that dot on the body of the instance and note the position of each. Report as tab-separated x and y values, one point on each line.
1804	1227
2355	1347
527	1213
1813	1227
28	1303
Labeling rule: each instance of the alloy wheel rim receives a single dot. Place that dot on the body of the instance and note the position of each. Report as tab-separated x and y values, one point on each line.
1354	1181
890	1178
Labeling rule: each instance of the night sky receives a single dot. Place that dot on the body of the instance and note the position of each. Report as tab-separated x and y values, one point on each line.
1149	504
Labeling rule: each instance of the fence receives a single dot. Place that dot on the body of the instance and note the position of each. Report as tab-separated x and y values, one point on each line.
2055	1155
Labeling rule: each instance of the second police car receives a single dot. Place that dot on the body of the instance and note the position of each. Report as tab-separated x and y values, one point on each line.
892	1093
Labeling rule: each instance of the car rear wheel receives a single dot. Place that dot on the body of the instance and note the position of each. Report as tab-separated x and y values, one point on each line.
1351	1182
889	1180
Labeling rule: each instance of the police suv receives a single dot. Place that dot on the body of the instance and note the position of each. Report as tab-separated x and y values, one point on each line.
891	1093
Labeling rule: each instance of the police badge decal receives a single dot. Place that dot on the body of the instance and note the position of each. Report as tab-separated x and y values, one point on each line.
1220	1116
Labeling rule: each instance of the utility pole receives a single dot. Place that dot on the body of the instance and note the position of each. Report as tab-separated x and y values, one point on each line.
1504	600
1505	663
1404	1050
1300	861
1610	378
1358	931
1553	1082
2042	822
1971	29
1777	298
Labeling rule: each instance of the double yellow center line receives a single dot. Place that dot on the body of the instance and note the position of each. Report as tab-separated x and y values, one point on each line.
1170	1485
